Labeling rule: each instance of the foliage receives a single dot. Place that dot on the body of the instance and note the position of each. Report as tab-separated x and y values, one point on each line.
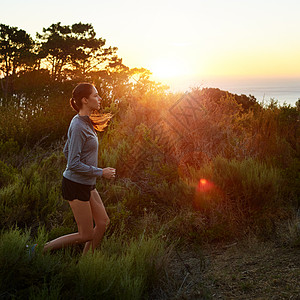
33	197
7	174
16	54
75	46
122	269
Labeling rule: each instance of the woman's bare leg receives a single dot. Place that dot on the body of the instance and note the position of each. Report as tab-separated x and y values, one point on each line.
84	219
101	221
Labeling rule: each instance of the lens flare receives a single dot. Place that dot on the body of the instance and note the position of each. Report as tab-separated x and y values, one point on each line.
203	181
204	194
207	194
204	185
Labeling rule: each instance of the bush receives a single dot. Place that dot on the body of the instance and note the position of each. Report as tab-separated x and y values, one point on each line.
234	197
8	148
7	174
123	268
246	185
19	274
34	196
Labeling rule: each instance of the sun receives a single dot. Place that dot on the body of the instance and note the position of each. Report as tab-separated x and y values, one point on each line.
167	68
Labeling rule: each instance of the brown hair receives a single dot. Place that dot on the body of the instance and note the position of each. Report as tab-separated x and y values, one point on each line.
84	89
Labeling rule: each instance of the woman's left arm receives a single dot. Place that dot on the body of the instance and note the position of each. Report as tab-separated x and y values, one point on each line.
76	142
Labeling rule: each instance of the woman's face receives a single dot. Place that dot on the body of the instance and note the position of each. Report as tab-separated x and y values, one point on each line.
93	101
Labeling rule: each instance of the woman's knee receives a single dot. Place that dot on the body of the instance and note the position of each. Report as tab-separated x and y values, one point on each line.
86	236
103	222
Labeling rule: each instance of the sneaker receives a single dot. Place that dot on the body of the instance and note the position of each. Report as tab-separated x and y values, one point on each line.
31	250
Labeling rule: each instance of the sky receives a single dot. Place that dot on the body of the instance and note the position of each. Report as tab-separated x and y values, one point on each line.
182	42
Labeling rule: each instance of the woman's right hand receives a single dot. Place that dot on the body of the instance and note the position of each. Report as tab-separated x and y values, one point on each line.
109	173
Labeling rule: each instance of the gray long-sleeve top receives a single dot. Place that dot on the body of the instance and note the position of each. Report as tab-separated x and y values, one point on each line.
81	151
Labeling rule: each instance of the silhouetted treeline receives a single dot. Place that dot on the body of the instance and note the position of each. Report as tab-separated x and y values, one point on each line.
37	77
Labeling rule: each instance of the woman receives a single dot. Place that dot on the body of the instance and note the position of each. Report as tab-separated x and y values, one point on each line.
79	177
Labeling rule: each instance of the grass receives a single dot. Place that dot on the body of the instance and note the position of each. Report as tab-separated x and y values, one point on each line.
122	268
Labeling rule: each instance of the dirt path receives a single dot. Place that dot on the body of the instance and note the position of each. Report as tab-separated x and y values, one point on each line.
244	270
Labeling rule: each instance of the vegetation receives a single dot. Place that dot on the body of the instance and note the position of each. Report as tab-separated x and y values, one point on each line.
193	169
124	268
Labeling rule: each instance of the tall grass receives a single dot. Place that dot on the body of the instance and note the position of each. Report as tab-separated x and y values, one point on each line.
232	197
123	268
32	195
247	184
19	273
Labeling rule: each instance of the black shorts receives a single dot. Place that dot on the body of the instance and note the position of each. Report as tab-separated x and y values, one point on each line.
72	190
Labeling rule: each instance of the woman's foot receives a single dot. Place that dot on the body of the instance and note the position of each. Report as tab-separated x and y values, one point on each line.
31	250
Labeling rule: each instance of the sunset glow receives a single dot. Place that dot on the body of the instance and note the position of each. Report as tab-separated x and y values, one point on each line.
187	43
168	67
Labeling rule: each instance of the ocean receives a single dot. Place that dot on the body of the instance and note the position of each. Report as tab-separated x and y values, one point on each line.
285	90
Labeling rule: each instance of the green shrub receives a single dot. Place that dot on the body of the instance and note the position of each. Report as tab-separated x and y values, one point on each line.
18	271
7	174
123	268
247	185
57	231
34	197
52	167
8	148
291	186
235	196
197	227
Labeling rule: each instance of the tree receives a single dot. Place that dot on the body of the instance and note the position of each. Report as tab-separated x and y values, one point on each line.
140	78
73	51
16	54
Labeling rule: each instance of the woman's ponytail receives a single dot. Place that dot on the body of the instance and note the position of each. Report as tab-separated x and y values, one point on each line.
73	104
